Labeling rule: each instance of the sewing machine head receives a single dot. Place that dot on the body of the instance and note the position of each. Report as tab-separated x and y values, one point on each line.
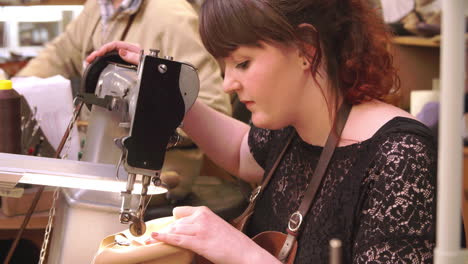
149	102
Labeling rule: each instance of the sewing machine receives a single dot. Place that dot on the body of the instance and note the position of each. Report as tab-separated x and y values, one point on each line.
148	117
139	109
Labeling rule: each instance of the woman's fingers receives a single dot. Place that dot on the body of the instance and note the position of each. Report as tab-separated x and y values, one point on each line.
174	235
174	239
183	229
184	211
151	241
126	45
130	57
129	52
175	232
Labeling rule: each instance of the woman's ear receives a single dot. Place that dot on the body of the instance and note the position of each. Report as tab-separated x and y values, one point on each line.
308	42
303	59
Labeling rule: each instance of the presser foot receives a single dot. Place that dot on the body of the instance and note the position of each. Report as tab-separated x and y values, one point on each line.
137	228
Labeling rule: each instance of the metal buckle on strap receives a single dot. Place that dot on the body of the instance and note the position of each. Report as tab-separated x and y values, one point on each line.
295	221
286	249
255	193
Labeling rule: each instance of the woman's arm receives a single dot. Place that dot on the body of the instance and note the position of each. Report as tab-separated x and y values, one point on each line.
224	140
397	220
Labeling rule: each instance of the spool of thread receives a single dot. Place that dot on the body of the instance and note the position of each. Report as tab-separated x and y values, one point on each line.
10	118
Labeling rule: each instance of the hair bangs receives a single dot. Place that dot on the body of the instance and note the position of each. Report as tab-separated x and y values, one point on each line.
227	24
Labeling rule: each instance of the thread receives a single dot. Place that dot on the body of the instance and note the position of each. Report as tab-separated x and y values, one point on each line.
10	118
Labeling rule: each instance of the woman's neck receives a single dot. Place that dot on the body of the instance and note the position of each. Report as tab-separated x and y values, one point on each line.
314	120
315	127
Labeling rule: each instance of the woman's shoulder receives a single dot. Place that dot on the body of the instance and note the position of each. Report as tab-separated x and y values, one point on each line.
370	119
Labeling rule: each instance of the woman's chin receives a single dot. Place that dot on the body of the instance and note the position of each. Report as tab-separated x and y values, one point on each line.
266	123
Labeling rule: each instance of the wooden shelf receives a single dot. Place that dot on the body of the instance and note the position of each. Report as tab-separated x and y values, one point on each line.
37	221
417	41
418	62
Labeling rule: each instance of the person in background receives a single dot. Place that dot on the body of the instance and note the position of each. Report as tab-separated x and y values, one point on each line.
294	64
169	26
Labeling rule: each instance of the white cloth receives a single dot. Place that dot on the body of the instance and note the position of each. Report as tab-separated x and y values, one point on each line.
53	99
394	10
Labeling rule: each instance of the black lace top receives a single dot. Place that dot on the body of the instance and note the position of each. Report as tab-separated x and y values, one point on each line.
377	196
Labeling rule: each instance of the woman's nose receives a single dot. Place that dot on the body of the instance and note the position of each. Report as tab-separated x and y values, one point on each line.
230	84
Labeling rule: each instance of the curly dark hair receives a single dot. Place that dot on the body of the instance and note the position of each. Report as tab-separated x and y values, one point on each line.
350	38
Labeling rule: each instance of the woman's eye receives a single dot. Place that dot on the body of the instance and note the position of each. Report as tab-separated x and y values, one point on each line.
243	65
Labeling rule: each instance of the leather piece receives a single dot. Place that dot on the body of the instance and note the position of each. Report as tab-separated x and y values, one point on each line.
137	252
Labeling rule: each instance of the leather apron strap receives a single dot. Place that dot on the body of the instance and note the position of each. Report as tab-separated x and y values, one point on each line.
296	219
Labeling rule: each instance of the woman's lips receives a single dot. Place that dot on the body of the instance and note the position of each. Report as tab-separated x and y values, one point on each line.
248	103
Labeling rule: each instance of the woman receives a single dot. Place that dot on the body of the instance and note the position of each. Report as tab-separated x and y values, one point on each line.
293	63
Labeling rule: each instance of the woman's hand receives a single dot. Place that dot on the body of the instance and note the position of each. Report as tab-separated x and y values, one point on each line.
205	233
129	52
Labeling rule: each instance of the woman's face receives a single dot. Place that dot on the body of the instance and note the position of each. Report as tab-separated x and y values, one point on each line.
269	80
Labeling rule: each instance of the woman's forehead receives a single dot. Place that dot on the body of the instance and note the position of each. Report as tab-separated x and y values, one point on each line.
243	49
246	51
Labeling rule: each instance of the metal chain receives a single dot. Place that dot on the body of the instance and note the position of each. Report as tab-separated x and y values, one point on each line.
48	229
49	226
71	124
67	146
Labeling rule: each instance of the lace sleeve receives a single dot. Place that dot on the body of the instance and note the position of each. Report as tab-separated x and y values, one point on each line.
264	143
258	144
397	220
